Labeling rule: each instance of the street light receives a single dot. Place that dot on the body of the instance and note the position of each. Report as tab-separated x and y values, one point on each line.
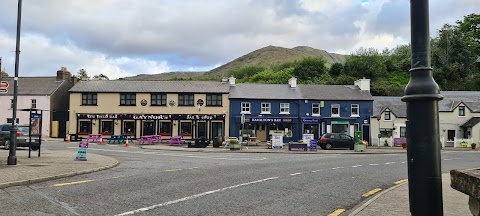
423	137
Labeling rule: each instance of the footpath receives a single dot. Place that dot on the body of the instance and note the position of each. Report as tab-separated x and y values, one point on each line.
60	164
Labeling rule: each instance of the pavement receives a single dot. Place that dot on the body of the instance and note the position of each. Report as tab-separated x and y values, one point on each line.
60	164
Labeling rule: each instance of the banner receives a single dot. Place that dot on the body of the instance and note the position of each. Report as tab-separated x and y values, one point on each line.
35	124
82	151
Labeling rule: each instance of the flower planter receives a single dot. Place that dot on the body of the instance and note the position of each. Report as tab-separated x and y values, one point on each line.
404	147
474	147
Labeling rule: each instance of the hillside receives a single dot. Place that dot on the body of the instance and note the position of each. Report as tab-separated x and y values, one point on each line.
266	57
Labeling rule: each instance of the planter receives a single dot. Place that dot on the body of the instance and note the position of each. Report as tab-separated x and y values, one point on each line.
404	147
474	147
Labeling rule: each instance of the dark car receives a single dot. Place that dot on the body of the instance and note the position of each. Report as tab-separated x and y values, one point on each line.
22	137
336	140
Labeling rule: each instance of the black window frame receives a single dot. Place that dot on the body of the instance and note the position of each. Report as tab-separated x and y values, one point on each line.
104	124
124	128
161	127
88	124
388	116
189	101
127	97
34	105
461	110
157	97
89	99
182	133
214	100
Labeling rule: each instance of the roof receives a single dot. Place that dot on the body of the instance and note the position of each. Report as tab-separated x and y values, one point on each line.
284	91
394	104
150	86
34	85
472	122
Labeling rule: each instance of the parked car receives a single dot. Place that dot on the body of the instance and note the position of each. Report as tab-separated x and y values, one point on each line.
22	137
336	140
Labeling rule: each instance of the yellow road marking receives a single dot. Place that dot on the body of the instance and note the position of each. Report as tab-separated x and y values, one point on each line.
401	181
72	183
371	192
337	212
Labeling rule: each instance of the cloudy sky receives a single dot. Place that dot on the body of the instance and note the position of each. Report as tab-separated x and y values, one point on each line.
127	37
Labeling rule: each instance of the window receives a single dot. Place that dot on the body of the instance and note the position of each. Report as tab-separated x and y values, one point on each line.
284	108
451	135
461	111
89	99
11	103
265	108
34	103
387	116
165	128
158	99
316	109
186	128
85	127
185	100
107	127
355	108
356	127
214	100
129	127
128	100
403	132
335	110
245	107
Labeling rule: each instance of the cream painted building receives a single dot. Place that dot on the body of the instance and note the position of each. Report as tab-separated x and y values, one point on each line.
459	115
191	109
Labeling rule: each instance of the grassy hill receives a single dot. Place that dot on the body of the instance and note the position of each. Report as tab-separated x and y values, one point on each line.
266	57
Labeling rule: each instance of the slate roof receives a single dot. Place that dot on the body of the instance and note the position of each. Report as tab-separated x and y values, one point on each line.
34	85
334	92
150	86
472	122
395	104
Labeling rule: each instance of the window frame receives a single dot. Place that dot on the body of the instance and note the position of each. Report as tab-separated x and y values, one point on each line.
102	123
169	133
313	108
389	116
403	131
286	110
89	124
357	108
461	111
335	106
214	100
89	99
159	97
267	109
134	127
123	102
182	100
11	103
181	128
245	108
34	103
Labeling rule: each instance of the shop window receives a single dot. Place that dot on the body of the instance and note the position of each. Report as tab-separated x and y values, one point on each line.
89	99
165	128
265	108
214	100
355	108
461	111
107	127
34	103
85	127
128	100
387	116
315	109
284	108
185	99
285	129
245	107
250	126
335	110
186	128
356	127
403	132
158	99
129	127
451	135
386	134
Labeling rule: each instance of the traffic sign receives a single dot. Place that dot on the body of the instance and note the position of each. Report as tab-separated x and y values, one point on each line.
3	91
4	85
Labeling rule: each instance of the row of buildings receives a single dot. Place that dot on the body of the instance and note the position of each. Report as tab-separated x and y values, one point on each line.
194	109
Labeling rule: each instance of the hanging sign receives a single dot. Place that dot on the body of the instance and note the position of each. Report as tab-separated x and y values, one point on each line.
82	151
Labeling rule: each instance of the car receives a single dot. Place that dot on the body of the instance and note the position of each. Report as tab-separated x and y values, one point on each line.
22	137
336	140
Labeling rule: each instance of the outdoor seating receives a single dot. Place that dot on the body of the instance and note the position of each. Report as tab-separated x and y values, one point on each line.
116	139
252	140
149	139
94	137
176	140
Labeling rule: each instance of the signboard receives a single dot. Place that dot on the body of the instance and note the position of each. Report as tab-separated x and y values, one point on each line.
243	119
313	145
152	116
3	91
310	120
269	120
35	124
143	102
307	138
339	122
4	85
277	141
82	151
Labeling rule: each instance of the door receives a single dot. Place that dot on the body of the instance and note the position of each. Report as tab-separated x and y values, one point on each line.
217	129
62	129
311	129
366	132
202	129
261	132
148	128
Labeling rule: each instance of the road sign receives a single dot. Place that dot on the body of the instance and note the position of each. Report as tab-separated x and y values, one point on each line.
4	85
3	91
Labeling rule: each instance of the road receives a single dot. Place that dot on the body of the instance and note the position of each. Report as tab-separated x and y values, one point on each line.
149	182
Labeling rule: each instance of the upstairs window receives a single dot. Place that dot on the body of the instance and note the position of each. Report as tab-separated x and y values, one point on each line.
89	99
355	108
185	99
284	108
387	116
461	111
265	108
335	110
245	107
128	100
158	99
315	109
214	100
34	103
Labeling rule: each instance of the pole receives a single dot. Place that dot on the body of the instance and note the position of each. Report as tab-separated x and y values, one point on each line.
422	95
12	158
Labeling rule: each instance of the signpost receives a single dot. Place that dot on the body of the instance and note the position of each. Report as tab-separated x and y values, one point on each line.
277	141
82	151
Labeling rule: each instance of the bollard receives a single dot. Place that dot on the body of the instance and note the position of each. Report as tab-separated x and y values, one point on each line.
68	138
126	142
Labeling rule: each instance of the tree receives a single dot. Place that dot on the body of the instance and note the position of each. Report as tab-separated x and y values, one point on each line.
100	77
470	26
336	69
83	75
367	63
4	73
309	68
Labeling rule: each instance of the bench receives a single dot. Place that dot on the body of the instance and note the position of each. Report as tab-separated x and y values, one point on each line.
117	139
297	146
176	140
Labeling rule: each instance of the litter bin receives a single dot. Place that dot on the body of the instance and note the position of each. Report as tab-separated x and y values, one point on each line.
217	141
201	142
359	147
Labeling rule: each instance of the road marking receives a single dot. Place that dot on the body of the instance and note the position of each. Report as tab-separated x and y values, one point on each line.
173	170
337	212
72	183
371	192
401	181
193	197
294	174
337	168
457	158
447	159
390	163
404	162
373	164
357	166
316	171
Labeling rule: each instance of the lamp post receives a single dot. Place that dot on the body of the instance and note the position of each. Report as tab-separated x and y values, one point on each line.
12	158
422	95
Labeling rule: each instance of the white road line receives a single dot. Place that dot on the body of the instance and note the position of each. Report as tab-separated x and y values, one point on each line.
457	158
447	159
390	163
294	174
373	164
357	166
404	162
337	168
314	171
193	197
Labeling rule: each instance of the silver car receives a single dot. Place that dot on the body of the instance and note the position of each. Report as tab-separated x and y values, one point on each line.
22	137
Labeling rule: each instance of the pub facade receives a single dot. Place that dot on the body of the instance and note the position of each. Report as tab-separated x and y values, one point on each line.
191	109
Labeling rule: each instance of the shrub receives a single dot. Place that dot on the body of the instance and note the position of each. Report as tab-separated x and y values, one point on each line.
404	144
473	144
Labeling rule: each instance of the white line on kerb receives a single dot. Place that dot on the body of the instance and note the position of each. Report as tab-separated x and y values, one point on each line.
193	197
357	166
293	174
373	164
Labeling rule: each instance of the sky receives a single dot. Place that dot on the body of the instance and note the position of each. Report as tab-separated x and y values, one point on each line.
121	38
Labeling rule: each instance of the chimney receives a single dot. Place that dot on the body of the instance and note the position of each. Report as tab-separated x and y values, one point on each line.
224	80
363	84
63	74
292	82
231	80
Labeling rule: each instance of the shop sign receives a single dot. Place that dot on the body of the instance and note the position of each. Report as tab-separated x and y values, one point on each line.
310	120
143	102
269	120
82	151
340	122
307	138
151	117
201	117
97	116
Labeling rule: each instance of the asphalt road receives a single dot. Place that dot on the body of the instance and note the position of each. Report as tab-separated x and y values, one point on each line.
149	182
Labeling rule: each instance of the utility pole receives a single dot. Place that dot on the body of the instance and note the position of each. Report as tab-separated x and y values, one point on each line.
422	95
12	158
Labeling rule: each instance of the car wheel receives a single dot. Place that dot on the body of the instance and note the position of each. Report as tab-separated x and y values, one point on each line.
328	146
6	145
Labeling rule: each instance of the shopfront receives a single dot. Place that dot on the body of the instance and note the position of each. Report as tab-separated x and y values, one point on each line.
262	128
311	126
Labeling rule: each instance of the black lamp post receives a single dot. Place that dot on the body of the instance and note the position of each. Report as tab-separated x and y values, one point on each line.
422	95
12	158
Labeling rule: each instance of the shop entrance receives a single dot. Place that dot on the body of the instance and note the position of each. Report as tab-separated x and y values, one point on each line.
217	129
202	129
311	129
261	132
148	128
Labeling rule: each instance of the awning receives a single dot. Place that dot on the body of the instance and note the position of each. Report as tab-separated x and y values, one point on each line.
472	122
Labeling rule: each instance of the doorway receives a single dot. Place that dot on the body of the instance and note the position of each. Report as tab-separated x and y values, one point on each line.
311	129
261	132
202	129
148	128
366	133
217	129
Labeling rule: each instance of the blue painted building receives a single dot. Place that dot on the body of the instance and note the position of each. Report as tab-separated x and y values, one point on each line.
294	110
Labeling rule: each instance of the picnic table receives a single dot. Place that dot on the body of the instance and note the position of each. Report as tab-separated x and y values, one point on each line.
176	140
94	137
116	138
252	140
150	139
